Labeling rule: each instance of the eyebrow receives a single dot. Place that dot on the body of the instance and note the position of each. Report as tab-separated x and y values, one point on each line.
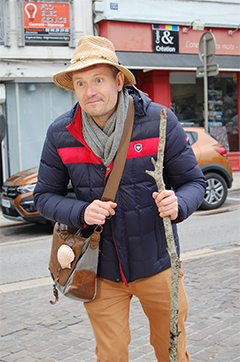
78	77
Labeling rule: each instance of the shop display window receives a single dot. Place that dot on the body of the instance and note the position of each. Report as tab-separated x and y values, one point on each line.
188	104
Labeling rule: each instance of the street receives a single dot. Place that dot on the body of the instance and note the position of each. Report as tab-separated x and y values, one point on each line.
25	248
209	230
34	330
25	252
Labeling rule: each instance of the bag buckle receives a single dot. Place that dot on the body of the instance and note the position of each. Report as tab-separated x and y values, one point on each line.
95	237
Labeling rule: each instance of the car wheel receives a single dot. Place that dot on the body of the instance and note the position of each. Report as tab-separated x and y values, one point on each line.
216	191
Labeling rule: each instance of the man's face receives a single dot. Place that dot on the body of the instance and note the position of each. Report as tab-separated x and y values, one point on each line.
97	90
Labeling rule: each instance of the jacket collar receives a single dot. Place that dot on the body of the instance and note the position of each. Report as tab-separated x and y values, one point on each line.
141	103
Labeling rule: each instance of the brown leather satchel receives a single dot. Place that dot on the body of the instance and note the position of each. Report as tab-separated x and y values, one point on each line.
78	279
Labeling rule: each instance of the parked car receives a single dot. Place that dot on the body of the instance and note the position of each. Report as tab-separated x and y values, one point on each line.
213	161
17	197
17	190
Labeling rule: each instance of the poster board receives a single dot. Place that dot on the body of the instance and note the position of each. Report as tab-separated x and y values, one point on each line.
46	23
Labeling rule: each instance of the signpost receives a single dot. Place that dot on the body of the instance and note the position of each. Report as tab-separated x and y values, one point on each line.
212	70
207	48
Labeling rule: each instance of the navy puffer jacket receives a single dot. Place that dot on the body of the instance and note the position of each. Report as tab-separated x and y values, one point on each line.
133	243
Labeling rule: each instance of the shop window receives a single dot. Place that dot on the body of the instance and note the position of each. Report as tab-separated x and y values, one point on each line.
187	101
225	110
31	108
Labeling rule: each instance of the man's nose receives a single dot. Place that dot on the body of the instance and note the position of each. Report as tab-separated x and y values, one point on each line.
91	90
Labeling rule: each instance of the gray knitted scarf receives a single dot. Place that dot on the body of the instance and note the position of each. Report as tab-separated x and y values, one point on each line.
105	141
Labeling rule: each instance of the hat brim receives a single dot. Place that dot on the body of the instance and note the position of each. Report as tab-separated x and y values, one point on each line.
64	79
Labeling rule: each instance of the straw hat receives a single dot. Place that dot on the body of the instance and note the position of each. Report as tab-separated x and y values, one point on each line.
91	50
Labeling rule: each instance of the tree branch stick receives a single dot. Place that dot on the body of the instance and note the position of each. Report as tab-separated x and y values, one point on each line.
157	175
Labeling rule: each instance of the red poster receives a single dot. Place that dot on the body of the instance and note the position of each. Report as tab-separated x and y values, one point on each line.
46	23
45	15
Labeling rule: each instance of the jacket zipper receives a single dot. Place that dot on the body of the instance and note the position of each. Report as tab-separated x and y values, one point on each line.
119	262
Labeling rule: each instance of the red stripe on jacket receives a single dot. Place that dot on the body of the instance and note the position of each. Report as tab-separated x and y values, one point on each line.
78	155
81	154
141	148
84	154
136	149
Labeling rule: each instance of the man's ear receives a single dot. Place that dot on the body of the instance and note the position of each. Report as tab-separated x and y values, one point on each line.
120	80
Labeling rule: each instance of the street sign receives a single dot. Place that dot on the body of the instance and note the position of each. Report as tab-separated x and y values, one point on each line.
212	70
206	50
209	38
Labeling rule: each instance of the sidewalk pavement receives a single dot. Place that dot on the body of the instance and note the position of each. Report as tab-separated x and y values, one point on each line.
34	330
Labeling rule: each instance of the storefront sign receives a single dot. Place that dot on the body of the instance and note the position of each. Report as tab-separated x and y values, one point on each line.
165	38
46	23
225	44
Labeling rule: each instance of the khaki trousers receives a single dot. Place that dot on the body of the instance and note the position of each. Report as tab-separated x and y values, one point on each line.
109	316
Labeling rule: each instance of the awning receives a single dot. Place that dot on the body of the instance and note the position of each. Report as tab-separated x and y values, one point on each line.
160	61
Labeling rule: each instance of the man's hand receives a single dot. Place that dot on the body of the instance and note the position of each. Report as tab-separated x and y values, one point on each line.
98	211
167	203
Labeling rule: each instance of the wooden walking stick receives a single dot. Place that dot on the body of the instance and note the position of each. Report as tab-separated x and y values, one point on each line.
157	175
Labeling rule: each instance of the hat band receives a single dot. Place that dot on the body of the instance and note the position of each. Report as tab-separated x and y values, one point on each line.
83	57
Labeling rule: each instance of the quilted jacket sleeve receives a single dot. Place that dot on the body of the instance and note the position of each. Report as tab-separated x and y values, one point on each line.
51	188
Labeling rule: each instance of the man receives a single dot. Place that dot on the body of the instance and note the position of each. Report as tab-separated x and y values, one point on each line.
81	145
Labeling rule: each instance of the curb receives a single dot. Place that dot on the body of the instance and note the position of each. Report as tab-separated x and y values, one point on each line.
47	281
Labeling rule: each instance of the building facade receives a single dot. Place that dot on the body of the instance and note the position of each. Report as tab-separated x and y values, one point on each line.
159	41
37	39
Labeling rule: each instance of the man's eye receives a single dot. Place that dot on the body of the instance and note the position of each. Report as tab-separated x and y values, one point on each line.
80	84
99	80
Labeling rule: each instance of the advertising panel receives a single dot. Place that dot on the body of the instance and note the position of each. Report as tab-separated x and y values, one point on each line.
165	38
46	23
226	44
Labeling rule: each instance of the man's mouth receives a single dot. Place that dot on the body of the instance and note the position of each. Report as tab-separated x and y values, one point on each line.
92	101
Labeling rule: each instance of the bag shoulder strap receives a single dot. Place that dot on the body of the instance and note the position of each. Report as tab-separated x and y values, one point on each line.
114	178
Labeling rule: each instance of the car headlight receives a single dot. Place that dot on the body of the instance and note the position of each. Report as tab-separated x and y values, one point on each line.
26	188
